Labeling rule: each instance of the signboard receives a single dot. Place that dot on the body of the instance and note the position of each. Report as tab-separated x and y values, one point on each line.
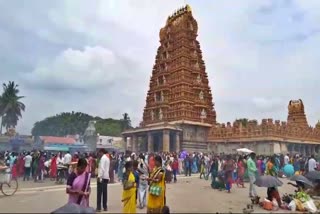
56	148
109	142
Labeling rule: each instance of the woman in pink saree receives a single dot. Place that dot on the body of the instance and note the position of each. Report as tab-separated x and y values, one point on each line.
78	185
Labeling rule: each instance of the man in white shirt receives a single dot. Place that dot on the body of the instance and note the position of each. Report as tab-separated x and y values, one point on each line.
27	166
103	179
312	164
286	159
67	158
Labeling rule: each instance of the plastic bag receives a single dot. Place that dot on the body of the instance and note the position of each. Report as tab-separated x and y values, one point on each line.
310	206
275	205
5	177
299	205
292	205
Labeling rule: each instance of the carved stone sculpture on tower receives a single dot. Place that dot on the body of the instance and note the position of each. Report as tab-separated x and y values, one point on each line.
203	114
198	78
201	96
160	114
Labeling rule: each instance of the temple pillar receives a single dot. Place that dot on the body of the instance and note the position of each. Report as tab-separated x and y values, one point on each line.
317	149
313	149
177	142
134	143
308	150
166	141
150	142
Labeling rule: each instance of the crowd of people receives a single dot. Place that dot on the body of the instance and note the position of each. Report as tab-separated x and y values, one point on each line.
144	176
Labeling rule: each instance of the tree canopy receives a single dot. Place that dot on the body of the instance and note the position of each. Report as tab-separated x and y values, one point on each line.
71	123
11	107
243	121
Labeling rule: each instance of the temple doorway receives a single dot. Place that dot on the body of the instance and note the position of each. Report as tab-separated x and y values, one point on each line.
157	142
143	143
172	147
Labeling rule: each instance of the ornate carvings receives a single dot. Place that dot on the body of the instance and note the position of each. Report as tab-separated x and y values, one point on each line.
178	72
296	128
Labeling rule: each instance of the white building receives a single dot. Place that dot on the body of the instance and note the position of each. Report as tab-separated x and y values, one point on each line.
109	142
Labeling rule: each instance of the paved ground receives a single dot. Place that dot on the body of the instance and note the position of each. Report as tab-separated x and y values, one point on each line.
188	195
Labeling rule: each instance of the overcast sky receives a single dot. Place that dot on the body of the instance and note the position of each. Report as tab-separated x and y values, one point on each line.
96	56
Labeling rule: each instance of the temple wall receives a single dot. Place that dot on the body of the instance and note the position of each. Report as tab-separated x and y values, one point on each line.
194	138
261	148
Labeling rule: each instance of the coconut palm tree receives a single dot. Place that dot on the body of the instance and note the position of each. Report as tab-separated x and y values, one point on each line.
10	105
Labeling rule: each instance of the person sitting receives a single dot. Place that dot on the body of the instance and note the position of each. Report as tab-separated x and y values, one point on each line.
218	184
273	193
299	185
315	191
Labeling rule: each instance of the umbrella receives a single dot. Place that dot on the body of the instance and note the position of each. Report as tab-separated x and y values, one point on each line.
74	208
268	181
183	154
313	175
302	179
288	170
245	150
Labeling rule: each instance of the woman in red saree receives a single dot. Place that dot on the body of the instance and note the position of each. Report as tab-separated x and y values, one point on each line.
241	171
14	169
20	165
53	167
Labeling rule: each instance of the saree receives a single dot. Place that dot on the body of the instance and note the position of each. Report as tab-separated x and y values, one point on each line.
129	196
143	185
156	203
78	184
53	167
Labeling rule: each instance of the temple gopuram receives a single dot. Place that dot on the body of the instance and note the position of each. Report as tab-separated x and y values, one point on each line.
180	115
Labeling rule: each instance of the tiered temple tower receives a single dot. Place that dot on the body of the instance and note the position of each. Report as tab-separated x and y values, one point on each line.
179	87
179	110
296	115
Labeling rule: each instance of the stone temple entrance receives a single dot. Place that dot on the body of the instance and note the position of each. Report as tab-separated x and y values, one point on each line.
156	139
157	142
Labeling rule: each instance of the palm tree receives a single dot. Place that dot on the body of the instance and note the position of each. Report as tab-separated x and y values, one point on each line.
10	106
126	121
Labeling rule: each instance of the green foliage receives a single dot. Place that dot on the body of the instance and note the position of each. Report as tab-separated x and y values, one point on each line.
10	105
243	121
76	123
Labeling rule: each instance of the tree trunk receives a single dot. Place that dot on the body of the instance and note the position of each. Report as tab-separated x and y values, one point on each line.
1	125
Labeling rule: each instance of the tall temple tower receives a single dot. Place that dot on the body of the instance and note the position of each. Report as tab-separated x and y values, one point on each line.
296	115
179	111
179	88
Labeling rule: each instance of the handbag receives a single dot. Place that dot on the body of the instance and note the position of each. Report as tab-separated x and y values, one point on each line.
155	189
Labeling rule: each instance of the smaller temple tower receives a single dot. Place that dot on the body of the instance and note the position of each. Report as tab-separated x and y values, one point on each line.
90	136
296	114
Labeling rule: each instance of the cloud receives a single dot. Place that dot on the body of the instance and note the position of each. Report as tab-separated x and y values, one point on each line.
258	55
92	67
268	104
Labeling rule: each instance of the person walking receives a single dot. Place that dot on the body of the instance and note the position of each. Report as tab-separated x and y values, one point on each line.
157	190
175	168
27	166
252	171
102	180
312	164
